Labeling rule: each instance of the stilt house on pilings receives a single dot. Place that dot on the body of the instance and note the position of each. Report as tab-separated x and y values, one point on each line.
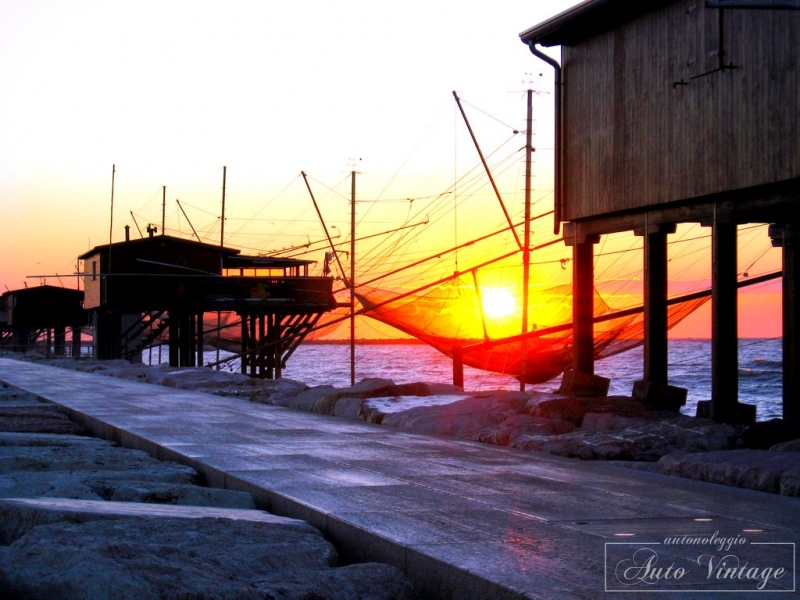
142	290
40	317
679	111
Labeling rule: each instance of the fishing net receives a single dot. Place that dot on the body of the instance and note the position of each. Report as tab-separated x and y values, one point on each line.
451	317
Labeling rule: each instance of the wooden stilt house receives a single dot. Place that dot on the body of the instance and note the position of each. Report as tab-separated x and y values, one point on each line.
162	286
679	111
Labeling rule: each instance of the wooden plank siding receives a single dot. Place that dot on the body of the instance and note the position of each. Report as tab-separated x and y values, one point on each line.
650	117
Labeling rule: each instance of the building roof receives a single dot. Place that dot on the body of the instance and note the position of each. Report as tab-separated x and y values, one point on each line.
159	239
587	19
264	262
51	290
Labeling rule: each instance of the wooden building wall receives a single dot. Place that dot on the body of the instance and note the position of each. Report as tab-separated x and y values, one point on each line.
653	114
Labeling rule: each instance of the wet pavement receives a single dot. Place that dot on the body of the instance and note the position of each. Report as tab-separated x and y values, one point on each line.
461	519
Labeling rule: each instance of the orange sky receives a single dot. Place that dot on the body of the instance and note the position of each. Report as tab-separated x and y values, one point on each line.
170	92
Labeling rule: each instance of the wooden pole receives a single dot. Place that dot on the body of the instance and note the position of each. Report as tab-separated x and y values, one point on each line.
724	333
488	171
583	307
325	227
221	245
526	248
655	307
111	221
163	208
353	278
791	324
458	367
222	220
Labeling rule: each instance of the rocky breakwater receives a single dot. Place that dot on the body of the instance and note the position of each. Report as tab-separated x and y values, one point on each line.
609	428
83	519
615	428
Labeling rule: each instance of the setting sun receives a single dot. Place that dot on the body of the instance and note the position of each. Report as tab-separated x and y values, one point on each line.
498	303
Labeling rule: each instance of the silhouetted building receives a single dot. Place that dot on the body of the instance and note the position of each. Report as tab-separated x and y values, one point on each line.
42	314
679	111
139	289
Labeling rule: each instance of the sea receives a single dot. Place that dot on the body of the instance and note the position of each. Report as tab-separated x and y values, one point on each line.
760	380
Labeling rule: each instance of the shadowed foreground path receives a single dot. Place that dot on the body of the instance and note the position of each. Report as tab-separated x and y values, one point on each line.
462	519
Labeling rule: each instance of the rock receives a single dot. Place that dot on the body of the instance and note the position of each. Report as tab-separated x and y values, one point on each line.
43	418
659	395
44	484
519	425
266	389
128	486
463	418
577	383
574	408
765	434
304	400
72	551
369	413
203	379
67	453
366	388
606	422
650	467
637	440
444	389
403	389
755	469
12	397
790	482
175	494
348	408
790	446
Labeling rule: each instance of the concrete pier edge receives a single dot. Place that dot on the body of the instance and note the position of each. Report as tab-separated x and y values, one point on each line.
438	569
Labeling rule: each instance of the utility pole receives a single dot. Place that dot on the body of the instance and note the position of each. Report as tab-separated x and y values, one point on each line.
163	207
353	278
222	222
526	249
111	223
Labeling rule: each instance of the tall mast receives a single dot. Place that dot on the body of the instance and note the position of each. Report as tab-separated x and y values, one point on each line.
488	171
221	245
353	278
222	222
194	231
111	220
163	208
526	249
325	229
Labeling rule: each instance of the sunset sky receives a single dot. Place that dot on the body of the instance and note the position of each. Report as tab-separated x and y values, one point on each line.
171	91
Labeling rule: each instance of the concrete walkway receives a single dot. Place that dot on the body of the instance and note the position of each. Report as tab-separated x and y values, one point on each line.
462	519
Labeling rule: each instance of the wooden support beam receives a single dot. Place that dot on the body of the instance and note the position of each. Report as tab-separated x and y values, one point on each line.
583	305
724	331
199	337
190	343
787	237
76	341
458	367
253	349
60	340
279	345
655	307
245	343
174	337
791	324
